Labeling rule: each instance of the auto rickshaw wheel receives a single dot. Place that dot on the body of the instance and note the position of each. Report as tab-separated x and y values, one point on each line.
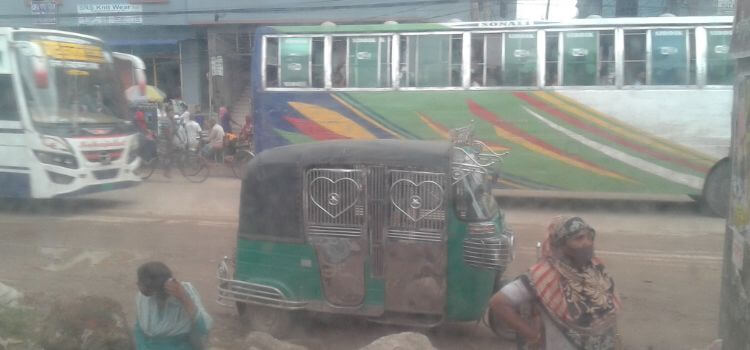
276	322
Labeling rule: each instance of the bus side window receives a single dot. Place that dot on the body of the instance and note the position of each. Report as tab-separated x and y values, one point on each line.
519	59
301	62
369	62
719	65
338	61
456	57
552	59
272	62
588	58
316	63
669	57
607	72
486	59
477	60
635	57
8	105
432	60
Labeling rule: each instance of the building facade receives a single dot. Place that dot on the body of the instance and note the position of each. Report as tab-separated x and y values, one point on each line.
199	50
649	8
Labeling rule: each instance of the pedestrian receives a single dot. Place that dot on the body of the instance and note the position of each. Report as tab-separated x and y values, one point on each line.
169	314
146	137
574	301
215	142
225	118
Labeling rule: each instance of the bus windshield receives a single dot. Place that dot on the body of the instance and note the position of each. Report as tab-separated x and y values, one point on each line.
68	80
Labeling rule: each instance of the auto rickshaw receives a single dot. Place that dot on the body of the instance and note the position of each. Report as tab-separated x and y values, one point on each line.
400	232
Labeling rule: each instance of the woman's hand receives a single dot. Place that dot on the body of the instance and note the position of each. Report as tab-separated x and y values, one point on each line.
175	289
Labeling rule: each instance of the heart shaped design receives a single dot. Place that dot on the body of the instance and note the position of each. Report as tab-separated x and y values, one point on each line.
344	195
425	197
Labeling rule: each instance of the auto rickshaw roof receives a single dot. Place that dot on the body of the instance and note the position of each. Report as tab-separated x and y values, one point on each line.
413	154
271	198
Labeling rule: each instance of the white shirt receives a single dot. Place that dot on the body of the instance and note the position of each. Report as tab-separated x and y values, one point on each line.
193	130
216	136
518	294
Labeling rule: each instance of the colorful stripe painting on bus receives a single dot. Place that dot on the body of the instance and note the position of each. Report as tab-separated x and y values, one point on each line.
546	133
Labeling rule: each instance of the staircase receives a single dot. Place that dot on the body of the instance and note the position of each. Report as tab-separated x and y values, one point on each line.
240	109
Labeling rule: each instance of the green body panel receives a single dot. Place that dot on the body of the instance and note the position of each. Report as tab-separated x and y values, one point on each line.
468	288
450	109
280	265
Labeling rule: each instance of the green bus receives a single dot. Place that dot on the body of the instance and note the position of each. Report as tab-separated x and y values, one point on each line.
623	105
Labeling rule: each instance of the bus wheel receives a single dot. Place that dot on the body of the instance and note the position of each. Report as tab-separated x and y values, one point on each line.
276	322
715	198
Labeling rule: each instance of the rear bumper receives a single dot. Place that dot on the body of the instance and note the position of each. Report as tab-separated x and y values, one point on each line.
233	291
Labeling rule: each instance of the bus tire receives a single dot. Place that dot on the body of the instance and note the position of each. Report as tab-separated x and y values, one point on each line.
715	196
274	321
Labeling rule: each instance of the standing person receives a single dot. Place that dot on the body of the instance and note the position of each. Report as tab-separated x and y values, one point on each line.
193	133
225	118
215	139
247	130
570	287
146	137
169	314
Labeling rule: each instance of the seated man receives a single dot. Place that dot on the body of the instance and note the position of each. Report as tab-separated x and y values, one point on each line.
575	305
215	142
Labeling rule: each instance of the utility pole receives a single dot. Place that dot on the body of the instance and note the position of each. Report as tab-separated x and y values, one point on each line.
734	316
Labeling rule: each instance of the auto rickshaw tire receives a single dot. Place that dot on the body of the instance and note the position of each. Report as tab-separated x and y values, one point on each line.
716	189
274	321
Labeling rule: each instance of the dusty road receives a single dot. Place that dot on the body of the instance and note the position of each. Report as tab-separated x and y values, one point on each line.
666	259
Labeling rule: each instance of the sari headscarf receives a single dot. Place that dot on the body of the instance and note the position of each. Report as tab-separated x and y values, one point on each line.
169	320
582	302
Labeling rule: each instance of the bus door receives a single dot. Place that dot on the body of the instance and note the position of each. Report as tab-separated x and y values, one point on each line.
14	162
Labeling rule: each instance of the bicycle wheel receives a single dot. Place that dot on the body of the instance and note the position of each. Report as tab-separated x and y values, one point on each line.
147	167
239	163
193	167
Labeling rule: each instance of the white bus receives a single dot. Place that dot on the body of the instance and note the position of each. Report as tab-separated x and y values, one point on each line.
64	123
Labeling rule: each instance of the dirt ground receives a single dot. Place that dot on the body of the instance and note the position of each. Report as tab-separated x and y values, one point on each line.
665	258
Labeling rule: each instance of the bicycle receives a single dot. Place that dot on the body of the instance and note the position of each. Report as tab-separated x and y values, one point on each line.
190	163
243	154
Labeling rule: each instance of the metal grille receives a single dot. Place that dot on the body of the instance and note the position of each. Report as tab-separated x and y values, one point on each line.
489	253
334	202
417	205
377	205
103	156
105	174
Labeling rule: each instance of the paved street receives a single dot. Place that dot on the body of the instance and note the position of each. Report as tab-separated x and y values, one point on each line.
666	259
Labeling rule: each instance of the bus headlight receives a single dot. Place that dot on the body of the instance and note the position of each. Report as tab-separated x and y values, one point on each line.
56	144
63	160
